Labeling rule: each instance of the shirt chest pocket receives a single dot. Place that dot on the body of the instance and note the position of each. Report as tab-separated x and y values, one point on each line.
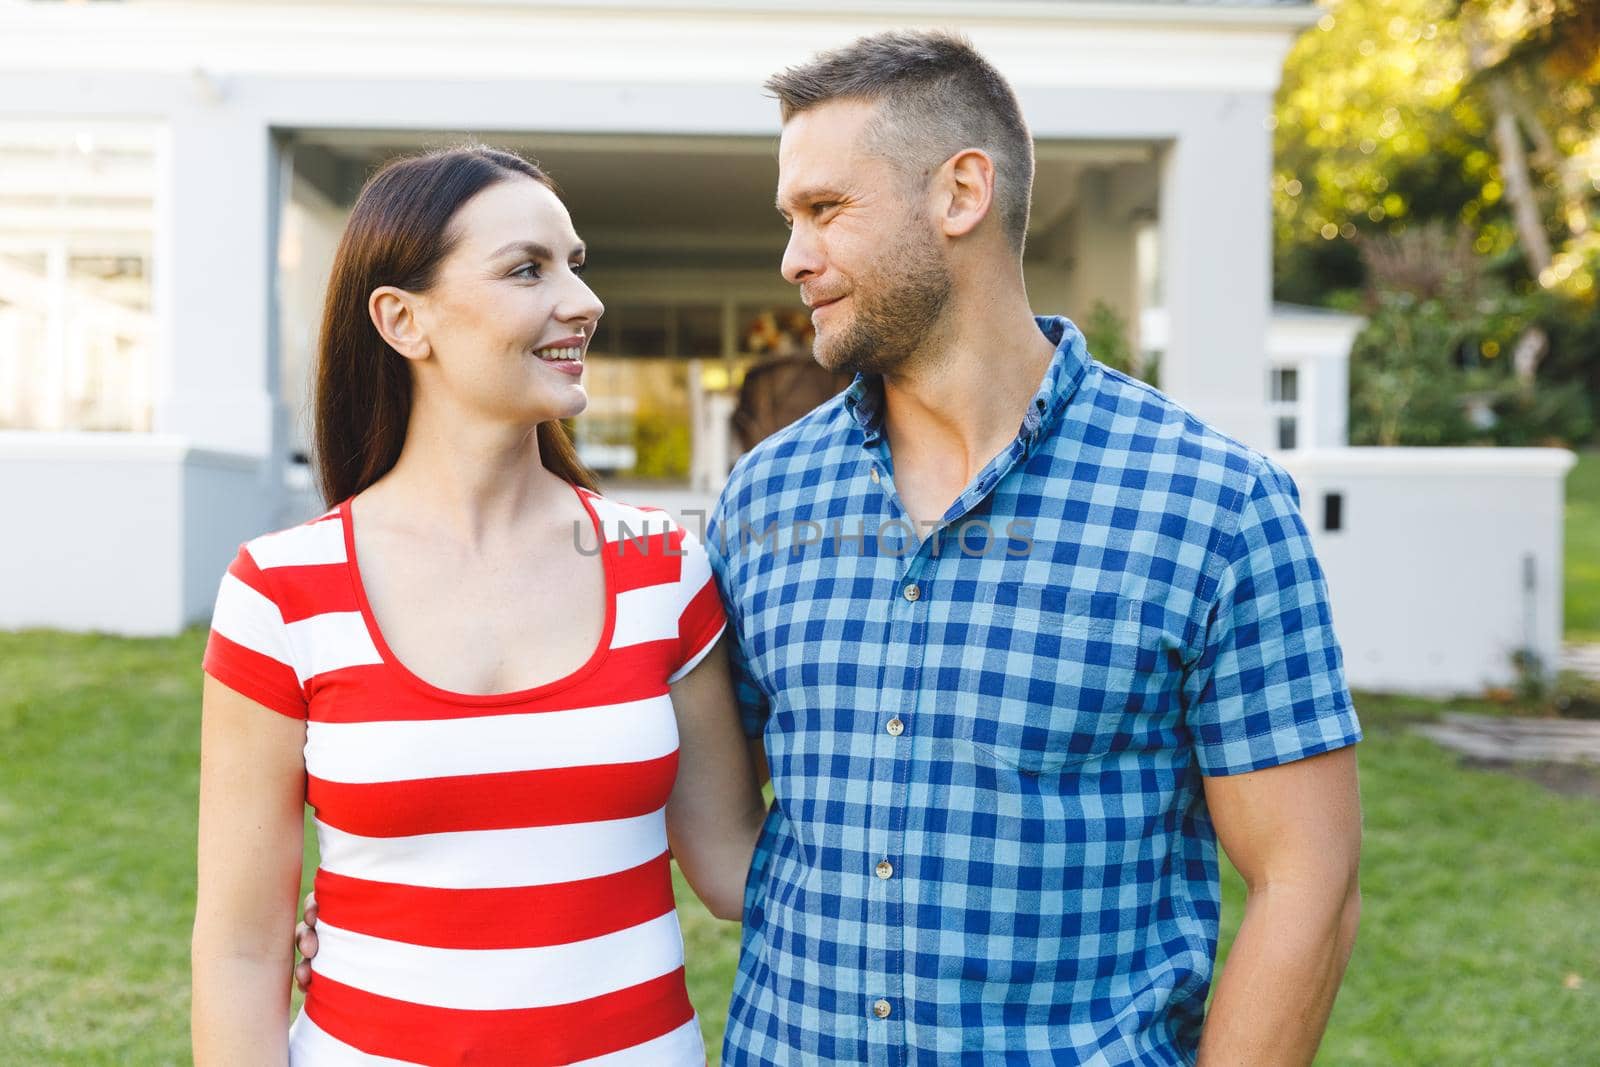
1053	682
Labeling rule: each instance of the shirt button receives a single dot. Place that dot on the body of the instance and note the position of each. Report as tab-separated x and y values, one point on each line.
895	727
875	478
881	1008
912	592
884	868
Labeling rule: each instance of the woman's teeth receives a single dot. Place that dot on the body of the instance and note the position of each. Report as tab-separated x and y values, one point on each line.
566	352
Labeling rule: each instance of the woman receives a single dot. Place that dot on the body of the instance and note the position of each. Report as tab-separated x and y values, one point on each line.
484	714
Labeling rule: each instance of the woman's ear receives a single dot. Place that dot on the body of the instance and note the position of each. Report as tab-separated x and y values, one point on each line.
394	313
968	179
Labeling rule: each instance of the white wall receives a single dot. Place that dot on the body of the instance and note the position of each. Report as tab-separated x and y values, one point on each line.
224	505
122	533
1426	576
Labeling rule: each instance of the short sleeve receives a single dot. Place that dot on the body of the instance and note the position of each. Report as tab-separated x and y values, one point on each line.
700	621
1268	688
754	707
248	650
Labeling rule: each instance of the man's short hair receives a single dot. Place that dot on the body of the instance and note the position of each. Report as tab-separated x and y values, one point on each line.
937	96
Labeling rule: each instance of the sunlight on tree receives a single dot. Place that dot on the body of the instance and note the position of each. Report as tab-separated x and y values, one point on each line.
1482	111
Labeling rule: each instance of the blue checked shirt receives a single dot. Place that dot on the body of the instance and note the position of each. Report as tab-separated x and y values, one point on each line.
988	839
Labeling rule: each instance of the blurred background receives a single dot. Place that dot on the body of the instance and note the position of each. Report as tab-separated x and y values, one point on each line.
1362	235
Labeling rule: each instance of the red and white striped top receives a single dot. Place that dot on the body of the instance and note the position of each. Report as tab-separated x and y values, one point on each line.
494	884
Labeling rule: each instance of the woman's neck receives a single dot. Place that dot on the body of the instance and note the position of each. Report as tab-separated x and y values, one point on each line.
469	477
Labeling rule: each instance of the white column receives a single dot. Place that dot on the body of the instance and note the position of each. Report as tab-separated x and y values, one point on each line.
52	410
1333	401
1216	249
214	384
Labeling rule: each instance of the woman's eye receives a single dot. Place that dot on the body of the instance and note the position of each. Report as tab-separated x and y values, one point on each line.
527	270
579	268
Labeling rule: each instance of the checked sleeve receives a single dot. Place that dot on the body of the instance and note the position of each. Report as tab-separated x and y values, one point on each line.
754	707
1268	688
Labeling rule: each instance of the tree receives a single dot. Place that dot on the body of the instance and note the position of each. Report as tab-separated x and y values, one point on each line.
1523	56
1394	112
1475	117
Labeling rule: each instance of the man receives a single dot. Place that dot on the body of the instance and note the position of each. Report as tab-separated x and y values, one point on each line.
1024	640
1013	684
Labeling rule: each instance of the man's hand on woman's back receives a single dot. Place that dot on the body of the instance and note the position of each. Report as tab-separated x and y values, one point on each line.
305	942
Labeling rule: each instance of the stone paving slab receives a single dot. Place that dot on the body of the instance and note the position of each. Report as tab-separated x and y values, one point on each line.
1585	659
1509	740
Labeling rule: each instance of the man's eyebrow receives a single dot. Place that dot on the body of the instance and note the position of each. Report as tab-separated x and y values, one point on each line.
535	250
806	196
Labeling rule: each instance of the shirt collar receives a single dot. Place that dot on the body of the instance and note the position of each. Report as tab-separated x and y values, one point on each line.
864	398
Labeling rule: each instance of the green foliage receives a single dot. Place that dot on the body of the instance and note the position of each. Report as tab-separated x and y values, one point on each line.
662	446
1385	118
1105	332
1433	366
1371	128
1559	415
1419	376
1582	544
1386	121
1404	386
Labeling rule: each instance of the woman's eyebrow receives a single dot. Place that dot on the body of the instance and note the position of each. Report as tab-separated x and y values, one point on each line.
535	250
531	249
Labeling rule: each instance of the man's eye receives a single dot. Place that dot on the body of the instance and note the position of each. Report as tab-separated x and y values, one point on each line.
824	207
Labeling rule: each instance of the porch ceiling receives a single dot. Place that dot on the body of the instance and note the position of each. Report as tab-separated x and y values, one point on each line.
693	200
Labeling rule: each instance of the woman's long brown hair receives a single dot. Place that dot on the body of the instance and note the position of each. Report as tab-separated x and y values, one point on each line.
397	235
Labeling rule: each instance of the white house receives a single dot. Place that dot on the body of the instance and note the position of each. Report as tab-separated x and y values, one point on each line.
174	174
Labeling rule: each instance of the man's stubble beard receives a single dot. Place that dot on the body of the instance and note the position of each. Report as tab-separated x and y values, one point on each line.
894	314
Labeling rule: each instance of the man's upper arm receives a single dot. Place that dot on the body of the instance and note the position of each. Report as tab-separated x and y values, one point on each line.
1296	822
1268	686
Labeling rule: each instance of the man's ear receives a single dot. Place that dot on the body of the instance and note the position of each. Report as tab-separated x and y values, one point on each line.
394	313
967	179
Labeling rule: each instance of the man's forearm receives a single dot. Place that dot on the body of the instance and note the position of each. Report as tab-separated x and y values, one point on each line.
1277	989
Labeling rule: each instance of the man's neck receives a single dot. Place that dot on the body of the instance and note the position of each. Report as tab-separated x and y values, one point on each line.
961	404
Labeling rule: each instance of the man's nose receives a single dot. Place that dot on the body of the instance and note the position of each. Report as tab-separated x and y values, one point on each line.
801	259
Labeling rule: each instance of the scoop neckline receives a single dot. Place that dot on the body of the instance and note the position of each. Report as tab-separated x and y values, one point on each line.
375	632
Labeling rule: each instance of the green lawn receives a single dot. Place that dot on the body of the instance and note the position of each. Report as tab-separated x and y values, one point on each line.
1583	549
1481	890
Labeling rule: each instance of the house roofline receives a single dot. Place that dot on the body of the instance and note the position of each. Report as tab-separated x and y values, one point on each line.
1291	16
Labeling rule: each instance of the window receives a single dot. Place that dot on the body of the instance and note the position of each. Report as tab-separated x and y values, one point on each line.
1287	430
1333	512
77	222
639	423
1283	402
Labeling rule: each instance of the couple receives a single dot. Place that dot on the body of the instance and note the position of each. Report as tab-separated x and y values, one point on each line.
1057	639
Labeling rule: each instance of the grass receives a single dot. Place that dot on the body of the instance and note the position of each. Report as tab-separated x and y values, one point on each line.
1480	888
1583	549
